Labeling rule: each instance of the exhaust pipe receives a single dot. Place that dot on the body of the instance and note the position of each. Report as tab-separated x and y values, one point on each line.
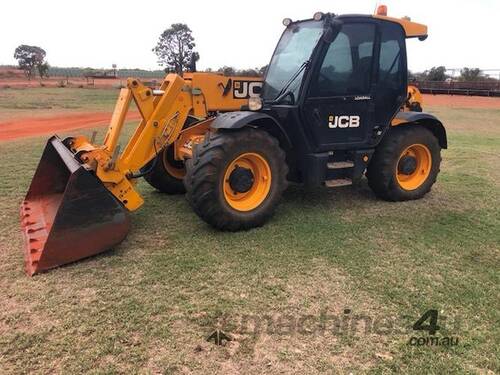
68	214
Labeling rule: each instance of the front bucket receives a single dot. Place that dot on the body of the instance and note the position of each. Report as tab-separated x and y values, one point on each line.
68	214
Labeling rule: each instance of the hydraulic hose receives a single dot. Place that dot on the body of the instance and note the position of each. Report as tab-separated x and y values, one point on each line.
150	169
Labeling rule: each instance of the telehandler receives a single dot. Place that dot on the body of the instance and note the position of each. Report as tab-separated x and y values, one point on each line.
334	105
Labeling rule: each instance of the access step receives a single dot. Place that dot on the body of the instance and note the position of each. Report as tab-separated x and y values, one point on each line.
340	164
338	182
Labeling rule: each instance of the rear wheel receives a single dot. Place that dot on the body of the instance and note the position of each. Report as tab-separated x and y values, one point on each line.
405	164
235	179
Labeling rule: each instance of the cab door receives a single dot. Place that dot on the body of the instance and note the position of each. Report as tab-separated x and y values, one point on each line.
339	105
391	78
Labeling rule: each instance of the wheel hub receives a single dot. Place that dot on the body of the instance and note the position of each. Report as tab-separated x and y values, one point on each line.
414	166
247	181
407	165
241	179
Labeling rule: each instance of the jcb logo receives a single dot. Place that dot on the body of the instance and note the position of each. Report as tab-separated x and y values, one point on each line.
343	122
246	89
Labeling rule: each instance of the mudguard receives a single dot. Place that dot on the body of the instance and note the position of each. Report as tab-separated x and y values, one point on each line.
239	119
426	119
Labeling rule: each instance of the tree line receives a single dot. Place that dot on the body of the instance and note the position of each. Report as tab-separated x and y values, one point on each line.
438	73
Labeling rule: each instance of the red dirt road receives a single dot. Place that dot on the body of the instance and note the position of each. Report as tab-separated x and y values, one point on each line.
29	127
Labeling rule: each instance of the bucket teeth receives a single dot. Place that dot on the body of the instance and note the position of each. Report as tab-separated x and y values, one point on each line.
35	232
68	214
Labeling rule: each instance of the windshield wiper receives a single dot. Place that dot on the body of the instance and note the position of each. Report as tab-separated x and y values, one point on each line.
284	91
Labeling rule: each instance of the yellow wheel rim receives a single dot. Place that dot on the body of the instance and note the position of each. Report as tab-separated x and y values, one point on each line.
261	185
422	159
172	170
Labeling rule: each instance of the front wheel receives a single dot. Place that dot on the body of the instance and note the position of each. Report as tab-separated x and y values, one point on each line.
405	164
166	174
235	179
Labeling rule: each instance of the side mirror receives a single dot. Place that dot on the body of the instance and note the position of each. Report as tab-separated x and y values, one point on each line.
331	31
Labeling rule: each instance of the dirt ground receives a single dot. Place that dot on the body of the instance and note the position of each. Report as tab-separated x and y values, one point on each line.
28	127
460	101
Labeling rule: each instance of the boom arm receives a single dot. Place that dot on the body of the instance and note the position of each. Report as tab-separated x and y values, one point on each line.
163	116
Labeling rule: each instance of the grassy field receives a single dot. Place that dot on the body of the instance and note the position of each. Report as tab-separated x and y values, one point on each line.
15	103
327	256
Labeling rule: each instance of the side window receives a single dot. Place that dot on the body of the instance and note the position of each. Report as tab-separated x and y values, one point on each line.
347	66
337	64
392	69
390	56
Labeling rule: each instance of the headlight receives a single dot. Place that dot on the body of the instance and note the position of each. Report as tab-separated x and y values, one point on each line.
255	104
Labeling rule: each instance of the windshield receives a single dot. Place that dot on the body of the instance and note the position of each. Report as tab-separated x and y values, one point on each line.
294	48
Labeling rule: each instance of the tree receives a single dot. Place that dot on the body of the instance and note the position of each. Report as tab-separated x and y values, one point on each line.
436	73
43	69
248	72
227	70
470	74
29	58
175	48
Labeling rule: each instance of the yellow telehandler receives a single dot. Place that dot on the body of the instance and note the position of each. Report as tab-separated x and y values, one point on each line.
333	106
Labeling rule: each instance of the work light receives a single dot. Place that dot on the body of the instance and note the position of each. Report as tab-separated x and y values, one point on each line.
318	16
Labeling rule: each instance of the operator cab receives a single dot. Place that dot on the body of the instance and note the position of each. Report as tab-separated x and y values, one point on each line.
345	76
334	83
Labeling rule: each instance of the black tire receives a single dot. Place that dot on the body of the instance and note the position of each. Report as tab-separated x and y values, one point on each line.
382	170
160	178
205	177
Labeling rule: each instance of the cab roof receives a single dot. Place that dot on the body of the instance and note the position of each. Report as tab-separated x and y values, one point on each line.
412	29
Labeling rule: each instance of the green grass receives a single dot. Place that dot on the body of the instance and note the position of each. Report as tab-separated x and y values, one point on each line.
148	305
16	103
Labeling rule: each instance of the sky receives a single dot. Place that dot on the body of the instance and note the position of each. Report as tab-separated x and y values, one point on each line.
235	33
